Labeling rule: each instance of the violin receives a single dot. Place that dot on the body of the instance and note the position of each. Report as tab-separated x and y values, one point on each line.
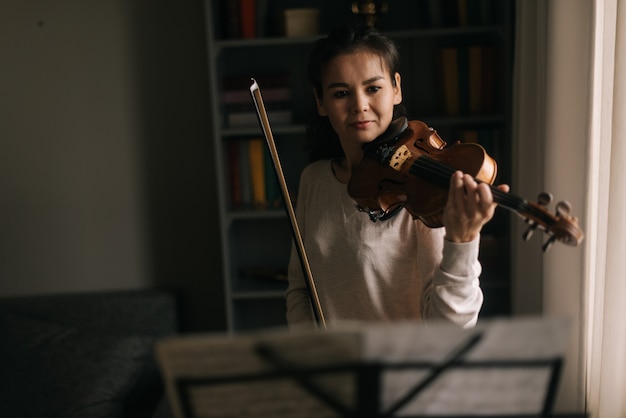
410	167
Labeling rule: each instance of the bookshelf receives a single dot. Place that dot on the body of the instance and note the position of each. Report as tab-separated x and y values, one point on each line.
476	46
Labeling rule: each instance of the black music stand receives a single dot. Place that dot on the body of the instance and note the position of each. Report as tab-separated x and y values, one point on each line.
501	368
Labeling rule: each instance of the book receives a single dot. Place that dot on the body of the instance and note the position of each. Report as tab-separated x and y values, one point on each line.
234	174
434	10
272	189
463	74
247	19
244	174
461	8
251	175
238	107
449	73
475	78
256	155
473	12
249	118
479	12
467	79
230	19
488	85
270	95
262	13
451	17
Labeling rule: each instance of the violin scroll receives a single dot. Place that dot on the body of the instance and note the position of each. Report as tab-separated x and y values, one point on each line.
561	226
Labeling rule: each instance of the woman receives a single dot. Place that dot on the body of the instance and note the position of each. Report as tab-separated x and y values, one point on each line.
397	269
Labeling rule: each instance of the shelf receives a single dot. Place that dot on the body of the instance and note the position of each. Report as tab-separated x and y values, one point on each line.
268	313
446	32
262	42
259	295
439	121
263	238
236	215
276	130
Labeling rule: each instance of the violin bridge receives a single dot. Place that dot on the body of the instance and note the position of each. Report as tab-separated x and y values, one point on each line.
399	157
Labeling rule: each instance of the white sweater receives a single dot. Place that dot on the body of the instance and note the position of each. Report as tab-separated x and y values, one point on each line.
397	269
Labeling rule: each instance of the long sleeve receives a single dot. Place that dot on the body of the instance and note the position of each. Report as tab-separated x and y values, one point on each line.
391	270
453	291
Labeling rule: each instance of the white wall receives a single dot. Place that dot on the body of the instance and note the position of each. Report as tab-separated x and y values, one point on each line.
69	166
104	144
553	96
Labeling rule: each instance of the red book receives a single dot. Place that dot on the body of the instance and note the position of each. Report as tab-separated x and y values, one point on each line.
257	172
248	18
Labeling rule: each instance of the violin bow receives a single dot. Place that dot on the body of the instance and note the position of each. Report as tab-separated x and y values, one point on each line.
255	91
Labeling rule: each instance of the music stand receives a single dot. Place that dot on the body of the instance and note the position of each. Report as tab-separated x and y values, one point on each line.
501	368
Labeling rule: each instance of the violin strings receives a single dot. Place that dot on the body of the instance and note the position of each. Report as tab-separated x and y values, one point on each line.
442	173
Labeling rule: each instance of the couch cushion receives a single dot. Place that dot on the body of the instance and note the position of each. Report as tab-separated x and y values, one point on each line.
132	312
53	370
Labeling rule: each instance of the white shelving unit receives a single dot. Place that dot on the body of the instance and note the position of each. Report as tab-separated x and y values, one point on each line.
262	238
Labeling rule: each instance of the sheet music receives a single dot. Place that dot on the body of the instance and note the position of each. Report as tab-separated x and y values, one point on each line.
218	357
478	393
412	342
522	339
483	391
260	375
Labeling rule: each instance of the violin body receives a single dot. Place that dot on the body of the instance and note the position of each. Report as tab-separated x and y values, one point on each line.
384	181
410	167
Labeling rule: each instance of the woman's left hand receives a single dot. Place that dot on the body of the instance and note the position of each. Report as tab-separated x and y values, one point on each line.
470	206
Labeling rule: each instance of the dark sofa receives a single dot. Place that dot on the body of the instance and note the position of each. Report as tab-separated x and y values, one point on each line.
87	355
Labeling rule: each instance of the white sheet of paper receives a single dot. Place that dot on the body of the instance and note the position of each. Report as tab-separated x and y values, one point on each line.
243	382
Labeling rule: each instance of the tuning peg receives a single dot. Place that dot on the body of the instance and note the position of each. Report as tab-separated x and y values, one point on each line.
529	232
544	199
563	208
545	247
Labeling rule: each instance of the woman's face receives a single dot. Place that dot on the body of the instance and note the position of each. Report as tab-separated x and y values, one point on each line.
358	97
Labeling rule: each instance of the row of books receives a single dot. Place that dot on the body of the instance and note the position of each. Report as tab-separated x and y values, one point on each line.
252	179
456	13
468	79
246	19
240	18
238	107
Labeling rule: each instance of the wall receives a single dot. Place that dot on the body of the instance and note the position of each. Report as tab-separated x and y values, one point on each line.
104	140
552	100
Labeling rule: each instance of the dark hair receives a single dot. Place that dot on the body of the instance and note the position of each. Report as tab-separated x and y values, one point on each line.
322	139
